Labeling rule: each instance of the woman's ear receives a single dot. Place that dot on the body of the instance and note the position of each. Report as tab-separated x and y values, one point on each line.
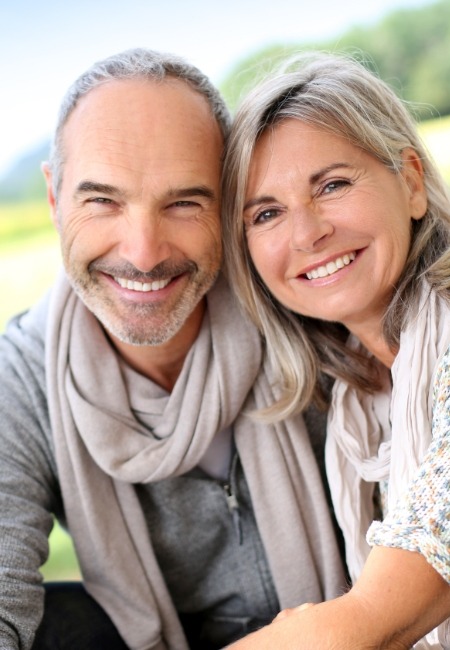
412	173
46	170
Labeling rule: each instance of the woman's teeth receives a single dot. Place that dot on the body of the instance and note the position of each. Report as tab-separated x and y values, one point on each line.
331	267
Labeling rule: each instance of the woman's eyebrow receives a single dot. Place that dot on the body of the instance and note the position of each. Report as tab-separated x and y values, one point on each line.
316	176
258	200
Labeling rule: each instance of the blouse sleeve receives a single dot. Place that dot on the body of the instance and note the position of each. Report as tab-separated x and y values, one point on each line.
421	521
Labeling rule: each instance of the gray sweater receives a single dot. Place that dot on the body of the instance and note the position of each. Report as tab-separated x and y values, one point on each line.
217	574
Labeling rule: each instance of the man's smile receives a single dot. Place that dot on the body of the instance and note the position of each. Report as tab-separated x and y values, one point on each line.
134	285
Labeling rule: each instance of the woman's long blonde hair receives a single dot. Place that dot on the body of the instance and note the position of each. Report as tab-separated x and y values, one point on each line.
338	94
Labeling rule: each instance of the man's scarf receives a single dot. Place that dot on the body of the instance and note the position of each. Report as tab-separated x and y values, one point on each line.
103	446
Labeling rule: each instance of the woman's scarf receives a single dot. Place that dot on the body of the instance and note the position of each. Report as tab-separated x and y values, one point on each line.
103	446
385	436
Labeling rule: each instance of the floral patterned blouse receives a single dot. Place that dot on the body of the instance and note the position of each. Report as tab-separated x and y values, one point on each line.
421	521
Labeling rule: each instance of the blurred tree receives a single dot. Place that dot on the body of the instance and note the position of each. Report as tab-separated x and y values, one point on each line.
410	49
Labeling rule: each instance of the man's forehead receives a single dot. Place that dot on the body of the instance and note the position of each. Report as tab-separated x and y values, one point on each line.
137	100
145	132
139	114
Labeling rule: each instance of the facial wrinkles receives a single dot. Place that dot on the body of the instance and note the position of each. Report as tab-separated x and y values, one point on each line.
124	137
126	147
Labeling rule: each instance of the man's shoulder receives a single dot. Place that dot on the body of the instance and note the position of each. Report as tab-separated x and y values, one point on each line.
23	341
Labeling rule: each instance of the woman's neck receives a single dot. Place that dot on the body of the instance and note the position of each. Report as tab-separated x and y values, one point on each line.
374	340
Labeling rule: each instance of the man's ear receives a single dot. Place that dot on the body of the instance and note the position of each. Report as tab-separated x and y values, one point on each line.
46	170
412	173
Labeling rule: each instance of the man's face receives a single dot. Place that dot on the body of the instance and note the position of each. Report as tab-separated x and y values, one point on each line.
138	208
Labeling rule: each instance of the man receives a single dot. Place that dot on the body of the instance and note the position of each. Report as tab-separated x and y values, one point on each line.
125	395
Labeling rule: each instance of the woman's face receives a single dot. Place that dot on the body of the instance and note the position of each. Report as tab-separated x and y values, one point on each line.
328	226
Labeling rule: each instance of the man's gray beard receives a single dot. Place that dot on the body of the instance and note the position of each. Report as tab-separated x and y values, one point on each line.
157	336
174	321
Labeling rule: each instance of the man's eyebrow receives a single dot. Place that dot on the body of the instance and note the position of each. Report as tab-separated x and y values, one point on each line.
197	190
86	187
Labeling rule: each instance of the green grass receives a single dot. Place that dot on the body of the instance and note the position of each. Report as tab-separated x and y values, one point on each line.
30	258
22	221
27	269
62	563
28	265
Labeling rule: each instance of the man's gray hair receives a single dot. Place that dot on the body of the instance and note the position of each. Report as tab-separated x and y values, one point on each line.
137	63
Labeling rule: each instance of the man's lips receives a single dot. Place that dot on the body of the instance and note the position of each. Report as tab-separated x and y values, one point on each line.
145	287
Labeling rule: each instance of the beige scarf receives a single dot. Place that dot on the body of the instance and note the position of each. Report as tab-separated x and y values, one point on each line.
385	436
102	448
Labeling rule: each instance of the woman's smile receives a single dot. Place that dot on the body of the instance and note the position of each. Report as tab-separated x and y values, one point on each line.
331	267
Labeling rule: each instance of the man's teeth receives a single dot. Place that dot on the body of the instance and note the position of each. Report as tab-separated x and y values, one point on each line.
156	285
331	267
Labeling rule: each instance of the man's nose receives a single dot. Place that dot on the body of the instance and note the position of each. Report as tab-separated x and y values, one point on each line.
144	240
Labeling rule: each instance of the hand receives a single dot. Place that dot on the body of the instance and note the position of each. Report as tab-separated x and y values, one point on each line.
398	598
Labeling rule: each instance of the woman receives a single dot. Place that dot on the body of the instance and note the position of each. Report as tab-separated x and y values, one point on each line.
337	235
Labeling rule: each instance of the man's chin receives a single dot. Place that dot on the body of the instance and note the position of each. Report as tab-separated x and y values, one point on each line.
152	335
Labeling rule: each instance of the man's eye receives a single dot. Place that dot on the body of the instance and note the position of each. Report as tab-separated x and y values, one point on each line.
99	199
184	204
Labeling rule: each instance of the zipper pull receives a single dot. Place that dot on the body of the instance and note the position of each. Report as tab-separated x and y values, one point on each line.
233	507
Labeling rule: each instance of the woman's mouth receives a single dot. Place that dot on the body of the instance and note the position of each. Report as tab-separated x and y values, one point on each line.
331	267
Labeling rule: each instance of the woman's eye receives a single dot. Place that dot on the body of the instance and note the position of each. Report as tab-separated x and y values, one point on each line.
265	215
332	186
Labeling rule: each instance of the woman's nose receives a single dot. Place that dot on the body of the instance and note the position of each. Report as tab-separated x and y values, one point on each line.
308	230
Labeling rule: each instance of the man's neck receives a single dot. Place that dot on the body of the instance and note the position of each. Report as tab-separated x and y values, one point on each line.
163	363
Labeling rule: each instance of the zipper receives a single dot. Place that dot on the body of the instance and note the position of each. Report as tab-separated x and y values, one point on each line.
233	507
232	502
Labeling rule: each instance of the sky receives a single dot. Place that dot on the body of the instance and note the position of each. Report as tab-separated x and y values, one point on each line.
46	44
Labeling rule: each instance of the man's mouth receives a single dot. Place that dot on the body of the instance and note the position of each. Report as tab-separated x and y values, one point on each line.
331	267
134	285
